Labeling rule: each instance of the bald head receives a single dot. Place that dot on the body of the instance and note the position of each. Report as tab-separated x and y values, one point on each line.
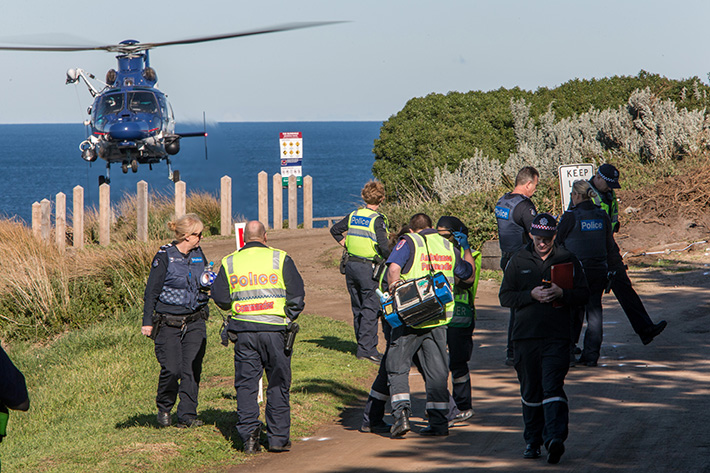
254	231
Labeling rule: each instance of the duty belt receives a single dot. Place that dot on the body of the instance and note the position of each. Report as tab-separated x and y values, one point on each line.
360	259
172	320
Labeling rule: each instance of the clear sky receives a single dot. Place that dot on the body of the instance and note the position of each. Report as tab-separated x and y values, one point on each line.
367	69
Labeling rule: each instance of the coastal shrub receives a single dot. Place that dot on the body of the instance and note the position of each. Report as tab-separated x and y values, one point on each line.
645	117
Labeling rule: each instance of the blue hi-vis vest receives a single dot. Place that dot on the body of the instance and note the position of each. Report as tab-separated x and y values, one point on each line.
182	279
510	235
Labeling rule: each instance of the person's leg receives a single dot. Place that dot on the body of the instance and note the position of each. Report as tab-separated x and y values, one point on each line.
434	361
278	372
248	369
399	359
528	364
594	335
168	351
555	366
460	343
193	351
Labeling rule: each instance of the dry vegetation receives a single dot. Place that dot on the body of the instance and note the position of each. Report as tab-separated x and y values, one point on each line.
44	292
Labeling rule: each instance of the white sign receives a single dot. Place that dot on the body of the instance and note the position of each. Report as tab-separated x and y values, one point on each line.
291	156
568	174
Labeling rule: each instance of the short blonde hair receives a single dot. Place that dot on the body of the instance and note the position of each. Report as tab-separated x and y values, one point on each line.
584	189
373	193
188	224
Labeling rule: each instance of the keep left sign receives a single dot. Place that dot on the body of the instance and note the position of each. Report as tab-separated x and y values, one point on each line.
568	174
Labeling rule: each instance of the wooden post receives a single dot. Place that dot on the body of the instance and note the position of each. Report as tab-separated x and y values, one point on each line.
46	207
308	202
292	203
180	199
278	202
142	211
77	217
37	219
104	214
60	222
225	199
264	198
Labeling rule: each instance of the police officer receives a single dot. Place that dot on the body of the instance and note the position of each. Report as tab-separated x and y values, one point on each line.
604	182
585	230
174	314
459	333
417	255
514	214
13	391
264	291
542	335
366	243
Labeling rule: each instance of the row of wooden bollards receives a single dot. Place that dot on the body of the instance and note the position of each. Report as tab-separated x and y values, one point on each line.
42	211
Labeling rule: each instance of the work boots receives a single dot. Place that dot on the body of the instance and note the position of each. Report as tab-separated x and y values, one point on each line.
252	445
401	425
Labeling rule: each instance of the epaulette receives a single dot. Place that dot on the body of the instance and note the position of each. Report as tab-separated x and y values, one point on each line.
164	248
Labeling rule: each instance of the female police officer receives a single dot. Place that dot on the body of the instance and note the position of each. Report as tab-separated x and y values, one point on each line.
585	230
174	315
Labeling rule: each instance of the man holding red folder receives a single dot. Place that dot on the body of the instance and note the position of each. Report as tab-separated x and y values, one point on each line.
542	333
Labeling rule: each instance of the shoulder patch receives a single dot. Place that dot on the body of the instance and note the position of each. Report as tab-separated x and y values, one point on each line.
156	262
400	244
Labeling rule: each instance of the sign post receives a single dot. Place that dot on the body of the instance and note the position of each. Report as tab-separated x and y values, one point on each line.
568	174
291	155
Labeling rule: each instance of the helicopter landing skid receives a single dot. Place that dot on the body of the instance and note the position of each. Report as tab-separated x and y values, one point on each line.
172	175
107	178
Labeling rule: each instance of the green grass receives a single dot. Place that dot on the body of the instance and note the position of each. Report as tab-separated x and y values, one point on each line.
93	408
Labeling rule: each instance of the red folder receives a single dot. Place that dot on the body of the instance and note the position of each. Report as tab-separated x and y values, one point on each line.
563	276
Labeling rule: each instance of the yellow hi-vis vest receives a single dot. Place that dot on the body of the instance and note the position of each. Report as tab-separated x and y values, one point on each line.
440	257
361	238
464	309
256	284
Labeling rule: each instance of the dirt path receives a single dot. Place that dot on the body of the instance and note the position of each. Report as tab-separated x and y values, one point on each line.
643	409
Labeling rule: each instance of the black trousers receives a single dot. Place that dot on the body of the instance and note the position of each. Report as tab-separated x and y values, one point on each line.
542	365
254	353
630	301
180	361
460	342
374	412
365	305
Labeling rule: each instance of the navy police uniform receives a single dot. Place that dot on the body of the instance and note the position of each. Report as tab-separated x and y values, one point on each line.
621	286
367	239
585	230
264	291
542	337
514	214
173	295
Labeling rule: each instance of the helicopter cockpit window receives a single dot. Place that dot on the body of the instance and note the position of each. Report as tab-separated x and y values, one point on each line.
110	104
142	102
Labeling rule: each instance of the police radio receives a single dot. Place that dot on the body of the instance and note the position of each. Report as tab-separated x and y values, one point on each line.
418	301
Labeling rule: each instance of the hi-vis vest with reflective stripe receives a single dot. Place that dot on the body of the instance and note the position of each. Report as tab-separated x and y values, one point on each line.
611	210
440	257
256	284
361	238
464	310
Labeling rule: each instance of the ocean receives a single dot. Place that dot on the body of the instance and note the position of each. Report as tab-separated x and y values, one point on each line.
39	161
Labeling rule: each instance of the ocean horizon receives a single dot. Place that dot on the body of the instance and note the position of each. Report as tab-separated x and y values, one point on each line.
41	160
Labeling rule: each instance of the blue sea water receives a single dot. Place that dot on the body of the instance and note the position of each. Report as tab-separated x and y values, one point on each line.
38	161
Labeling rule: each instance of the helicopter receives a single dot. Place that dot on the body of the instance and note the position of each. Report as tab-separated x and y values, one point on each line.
131	121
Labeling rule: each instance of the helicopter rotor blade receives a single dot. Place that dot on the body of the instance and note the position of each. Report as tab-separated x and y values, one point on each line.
138	47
